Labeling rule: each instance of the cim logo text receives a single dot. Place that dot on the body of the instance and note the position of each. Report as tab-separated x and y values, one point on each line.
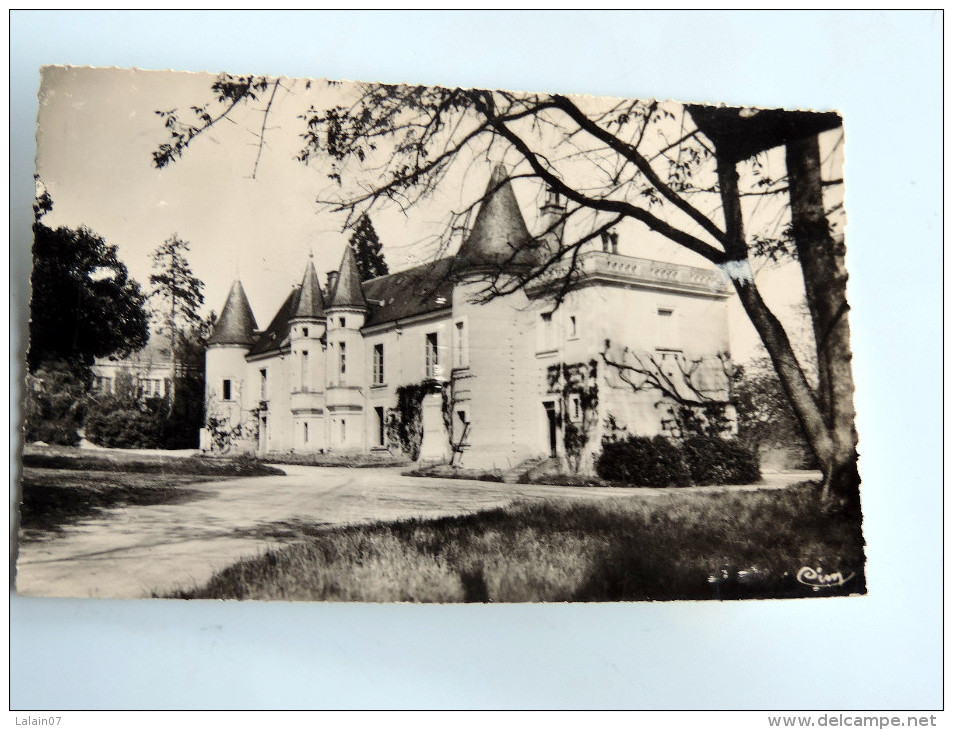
817	579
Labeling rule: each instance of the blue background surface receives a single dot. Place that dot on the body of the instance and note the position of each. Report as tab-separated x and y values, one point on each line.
881	70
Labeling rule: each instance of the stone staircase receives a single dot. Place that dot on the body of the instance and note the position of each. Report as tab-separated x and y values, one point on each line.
530	468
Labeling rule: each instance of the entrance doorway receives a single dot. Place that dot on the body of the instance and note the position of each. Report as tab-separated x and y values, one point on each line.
552	425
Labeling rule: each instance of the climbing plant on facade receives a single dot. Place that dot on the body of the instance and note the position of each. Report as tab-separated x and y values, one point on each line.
405	420
577	386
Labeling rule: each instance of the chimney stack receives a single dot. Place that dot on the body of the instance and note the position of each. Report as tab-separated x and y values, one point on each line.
610	242
553	214
331	282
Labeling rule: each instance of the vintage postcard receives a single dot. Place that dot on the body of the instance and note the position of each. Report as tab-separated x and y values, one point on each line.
336	341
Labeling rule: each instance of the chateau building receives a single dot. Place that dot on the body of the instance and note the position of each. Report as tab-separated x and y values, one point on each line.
148	371
503	380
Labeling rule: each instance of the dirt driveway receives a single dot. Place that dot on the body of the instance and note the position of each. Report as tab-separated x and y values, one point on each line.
133	551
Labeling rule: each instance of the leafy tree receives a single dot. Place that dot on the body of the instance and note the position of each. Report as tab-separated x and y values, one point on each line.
177	293
186	415
681	171
765	418
53	409
83	304
367	250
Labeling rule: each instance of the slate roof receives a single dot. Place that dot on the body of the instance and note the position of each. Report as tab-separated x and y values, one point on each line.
420	290
310	300
236	325
499	235
279	328
347	290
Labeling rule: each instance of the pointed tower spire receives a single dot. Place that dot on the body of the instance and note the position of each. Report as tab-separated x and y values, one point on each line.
310	301
499	235
236	324
347	290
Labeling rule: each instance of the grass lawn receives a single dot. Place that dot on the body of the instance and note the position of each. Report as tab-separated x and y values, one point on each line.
62	486
680	546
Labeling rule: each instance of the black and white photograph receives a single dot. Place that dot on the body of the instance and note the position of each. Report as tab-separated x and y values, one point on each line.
476	360
313	340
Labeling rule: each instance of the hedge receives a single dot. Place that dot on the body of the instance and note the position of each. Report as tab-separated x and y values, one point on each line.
660	462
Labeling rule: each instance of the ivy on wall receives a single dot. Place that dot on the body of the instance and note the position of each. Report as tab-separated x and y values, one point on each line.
579	379
405	420
224	435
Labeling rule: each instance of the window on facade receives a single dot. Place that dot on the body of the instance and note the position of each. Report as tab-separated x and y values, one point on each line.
573	331
667	334
381	423
342	321
304	331
546	339
306	432
304	370
379	364
432	355
263	373
461	353
575	407
343	430
342	358
226	390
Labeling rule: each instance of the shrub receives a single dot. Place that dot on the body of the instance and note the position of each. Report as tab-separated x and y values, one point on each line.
115	422
53	409
644	462
714	460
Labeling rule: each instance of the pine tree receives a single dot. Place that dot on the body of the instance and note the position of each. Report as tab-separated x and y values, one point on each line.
178	295
367	250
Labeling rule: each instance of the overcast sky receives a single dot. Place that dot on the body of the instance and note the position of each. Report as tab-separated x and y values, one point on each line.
97	131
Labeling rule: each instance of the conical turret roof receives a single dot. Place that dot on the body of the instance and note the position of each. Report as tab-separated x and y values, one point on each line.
499	235
347	291
311	302
236	324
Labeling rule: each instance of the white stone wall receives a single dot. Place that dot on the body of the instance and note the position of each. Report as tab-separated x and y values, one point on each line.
227	362
502	390
498	387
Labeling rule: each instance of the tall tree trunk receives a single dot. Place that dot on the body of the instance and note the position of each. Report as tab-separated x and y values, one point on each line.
173	353
839	463
825	283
